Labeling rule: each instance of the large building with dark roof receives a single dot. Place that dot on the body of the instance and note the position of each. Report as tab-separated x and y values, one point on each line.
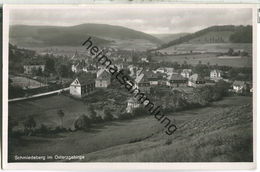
176	80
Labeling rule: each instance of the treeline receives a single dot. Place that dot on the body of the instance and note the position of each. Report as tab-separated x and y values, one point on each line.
17	57
242	34
54	65
200	97
83	122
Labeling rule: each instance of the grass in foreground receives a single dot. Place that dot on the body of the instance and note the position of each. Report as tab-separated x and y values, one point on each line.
224	136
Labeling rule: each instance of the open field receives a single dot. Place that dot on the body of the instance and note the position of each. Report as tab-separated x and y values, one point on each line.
209	55
225	128
206	58
26	82
44	110
210	47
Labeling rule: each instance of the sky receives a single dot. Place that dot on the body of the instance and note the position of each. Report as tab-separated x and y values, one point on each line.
150	19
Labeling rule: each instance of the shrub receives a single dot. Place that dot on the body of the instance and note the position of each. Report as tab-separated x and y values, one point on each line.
141	111
11	124
96	119
58	129
125	116
108	116
44	129
82	123
93	115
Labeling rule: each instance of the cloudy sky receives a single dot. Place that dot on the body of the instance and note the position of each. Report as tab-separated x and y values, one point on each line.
151	19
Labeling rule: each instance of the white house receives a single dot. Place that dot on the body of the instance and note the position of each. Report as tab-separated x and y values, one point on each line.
169	70
160	70
216	75
75	68
239	86
186	73
82	86
131	105
166	70
144	59
28	69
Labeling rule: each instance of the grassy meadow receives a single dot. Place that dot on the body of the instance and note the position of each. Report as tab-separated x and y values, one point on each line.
220	132
26	82
210	54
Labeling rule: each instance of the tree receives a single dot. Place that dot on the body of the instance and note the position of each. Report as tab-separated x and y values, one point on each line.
39	72
185	65
82	123
63	71
93	115
34	71
29	125
11	124
230	51
61	114
50	65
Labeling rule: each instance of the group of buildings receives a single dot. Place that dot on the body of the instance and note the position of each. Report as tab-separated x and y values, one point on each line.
144	78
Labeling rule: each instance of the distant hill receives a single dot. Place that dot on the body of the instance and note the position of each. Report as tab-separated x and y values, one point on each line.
102	34
215	34
169	37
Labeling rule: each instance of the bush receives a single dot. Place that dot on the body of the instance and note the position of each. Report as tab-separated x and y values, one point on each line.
59	129
11	124
29	125
93	115
96	119
141	111
124	116
82	123
44	129
108	116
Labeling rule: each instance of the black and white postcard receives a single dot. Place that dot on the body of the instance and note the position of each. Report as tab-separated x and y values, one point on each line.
130	86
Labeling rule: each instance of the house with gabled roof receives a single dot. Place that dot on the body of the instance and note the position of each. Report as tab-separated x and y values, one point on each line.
240	86
29	69
216	75
186	73
196	80
103	79
132	104
142	83
154	78
176	80
82	86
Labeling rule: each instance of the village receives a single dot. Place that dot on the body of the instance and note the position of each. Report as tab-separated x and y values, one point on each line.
88	76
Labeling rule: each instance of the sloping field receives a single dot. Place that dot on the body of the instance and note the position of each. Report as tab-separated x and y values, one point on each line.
209	47
44	110
206	58
221	132
224	135
209	54
26	82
